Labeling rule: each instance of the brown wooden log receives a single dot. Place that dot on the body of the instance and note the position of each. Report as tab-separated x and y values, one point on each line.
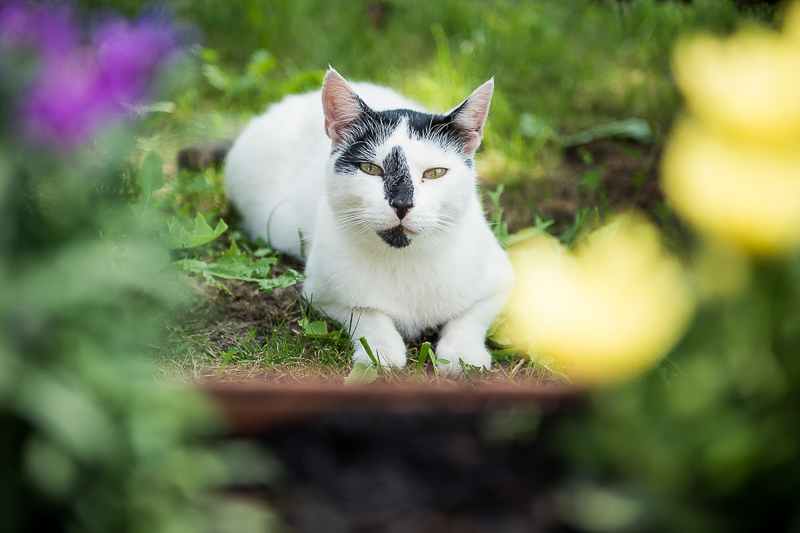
252	408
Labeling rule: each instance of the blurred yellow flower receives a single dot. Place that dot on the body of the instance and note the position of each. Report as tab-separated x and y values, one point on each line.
732	168
742	193
607	311
745	86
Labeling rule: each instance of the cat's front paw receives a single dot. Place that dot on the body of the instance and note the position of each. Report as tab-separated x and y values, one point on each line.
457	351
389	354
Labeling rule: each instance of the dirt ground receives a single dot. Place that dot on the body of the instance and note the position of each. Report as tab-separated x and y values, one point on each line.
558	196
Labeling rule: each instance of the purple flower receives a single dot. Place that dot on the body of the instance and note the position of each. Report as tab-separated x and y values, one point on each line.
65	108
128	55
81	89
45	28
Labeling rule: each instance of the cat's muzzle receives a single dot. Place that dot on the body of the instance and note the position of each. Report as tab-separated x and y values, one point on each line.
395	237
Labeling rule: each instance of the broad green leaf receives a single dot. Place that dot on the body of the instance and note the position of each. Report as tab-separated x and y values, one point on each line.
314	329
235	264
181	235
287	279
319	330
361	375
633	128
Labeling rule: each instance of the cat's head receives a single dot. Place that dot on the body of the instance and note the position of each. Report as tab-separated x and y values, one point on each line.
400	174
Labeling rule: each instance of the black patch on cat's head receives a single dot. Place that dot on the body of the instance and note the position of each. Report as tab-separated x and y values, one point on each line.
398	187
395	237
374	127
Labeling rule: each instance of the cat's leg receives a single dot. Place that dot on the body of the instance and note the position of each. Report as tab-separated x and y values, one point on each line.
381	335
463	338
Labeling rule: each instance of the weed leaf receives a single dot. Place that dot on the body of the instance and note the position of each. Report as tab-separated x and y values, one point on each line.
316	329
423	355
182	235
235	264
319	330
361	375
633	128
287	279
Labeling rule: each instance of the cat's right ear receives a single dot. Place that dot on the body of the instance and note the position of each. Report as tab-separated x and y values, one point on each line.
343	108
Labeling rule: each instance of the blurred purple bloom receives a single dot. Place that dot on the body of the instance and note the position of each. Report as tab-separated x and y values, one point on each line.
128	55
81	89
65	108
45	28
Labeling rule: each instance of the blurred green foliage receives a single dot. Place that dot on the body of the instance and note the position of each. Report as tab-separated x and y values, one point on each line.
712	442
571	65
89	440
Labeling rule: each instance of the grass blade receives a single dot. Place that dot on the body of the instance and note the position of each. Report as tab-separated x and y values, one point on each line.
423	355
372	357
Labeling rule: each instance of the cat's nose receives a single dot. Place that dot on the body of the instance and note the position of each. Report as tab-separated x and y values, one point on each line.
401	207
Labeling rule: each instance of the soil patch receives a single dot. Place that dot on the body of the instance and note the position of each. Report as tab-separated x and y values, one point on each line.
224	318
610	174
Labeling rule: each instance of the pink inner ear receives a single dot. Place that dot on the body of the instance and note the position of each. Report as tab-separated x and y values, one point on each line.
472	116
341	105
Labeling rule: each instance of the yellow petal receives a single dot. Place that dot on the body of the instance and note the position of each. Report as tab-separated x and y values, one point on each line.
607	311
745	87
744	194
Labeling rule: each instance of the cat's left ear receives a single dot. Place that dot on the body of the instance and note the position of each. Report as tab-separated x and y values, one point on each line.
469	118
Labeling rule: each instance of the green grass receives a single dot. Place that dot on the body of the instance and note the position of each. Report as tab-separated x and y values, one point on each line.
574	64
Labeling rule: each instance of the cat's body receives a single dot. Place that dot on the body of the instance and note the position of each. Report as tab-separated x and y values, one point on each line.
388	252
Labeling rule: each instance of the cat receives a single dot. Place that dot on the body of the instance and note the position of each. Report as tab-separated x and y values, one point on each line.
380	199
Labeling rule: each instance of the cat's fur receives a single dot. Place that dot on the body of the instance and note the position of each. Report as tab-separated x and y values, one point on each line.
392	255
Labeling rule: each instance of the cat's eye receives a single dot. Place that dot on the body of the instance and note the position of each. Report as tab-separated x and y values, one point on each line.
369	168
433	173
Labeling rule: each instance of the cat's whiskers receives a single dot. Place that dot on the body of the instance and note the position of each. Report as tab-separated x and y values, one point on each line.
357	223
439	231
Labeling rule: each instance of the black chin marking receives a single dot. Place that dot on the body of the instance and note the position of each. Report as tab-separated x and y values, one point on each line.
395	237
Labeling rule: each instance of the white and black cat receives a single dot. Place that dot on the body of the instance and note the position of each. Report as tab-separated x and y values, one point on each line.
380	198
